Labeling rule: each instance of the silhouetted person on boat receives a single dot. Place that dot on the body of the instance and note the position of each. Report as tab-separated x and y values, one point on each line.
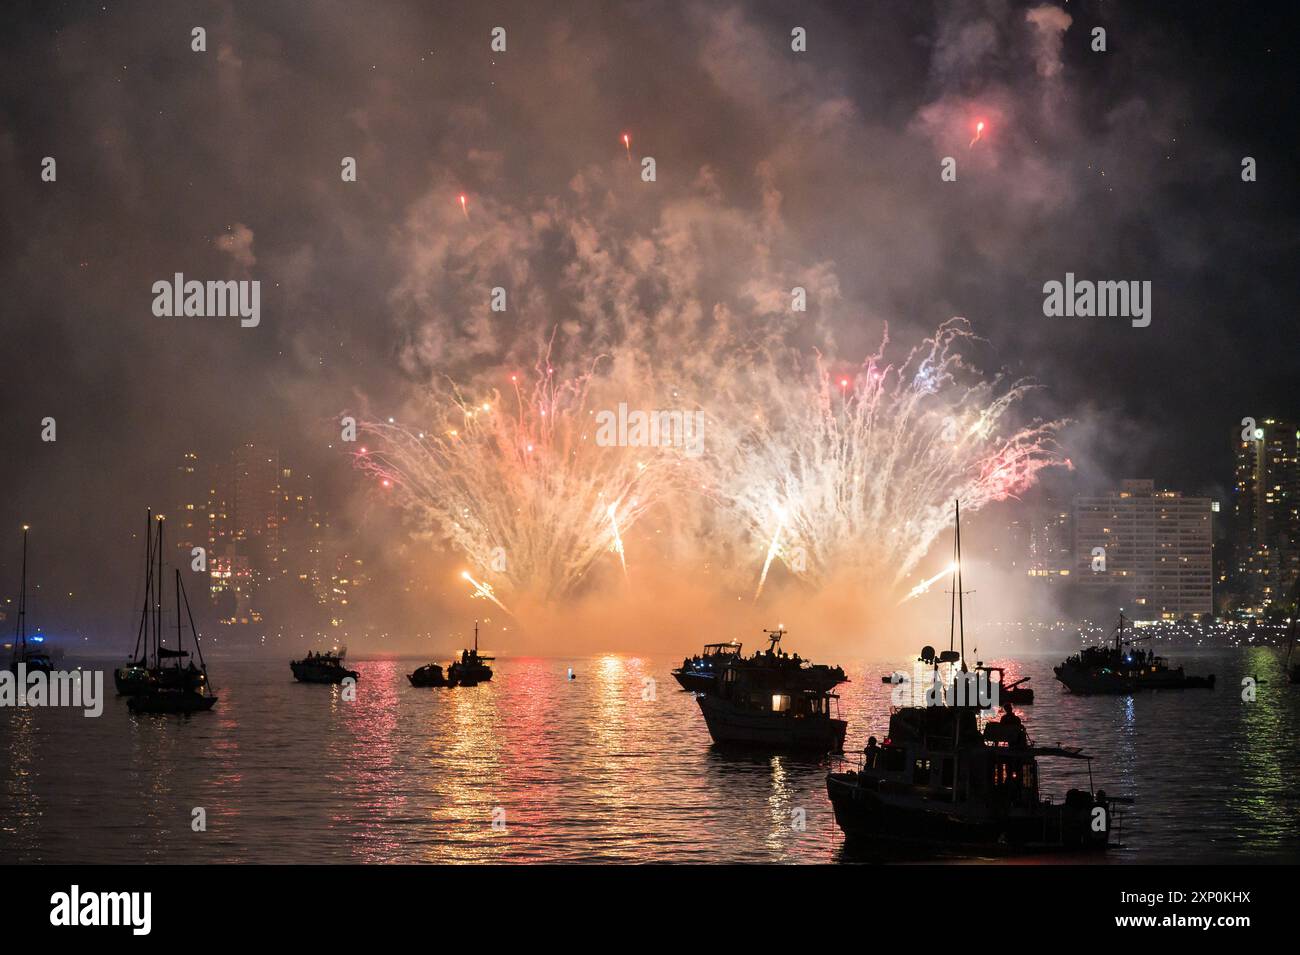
870	754
1017	738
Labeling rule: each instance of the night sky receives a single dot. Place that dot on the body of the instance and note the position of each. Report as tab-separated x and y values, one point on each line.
774	169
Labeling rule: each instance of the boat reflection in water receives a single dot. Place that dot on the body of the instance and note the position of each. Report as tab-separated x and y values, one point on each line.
776	701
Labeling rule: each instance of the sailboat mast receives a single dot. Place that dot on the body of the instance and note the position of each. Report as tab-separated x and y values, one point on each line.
22	598
952	616
141	655
178	616
961	618
20	625
476	638
157	603
198	648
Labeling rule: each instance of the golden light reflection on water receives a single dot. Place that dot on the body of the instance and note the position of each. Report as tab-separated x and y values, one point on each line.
602	767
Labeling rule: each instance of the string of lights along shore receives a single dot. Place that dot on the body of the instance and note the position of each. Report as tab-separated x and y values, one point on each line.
702	432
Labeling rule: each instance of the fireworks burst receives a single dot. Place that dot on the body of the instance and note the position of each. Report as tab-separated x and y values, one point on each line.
863	482
519	486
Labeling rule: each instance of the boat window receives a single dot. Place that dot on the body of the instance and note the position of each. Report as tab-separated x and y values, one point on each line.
921	771
780	703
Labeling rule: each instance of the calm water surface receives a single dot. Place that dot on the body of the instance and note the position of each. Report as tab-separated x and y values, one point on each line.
590	771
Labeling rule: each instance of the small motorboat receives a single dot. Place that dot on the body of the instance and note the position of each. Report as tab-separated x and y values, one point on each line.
322	668
430	674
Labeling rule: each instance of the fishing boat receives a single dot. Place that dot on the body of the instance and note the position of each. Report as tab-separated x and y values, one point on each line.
27	652
701	671
173	684
471	668
1122	667
775	701
429	675
941	785
322	668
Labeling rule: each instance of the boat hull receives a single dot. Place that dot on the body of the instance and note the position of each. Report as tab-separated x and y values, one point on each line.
1090	682
469	674
869	817
730	724
309	673
131	681
429	676
695	682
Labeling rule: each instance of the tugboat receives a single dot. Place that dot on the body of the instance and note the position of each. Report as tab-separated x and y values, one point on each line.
178	687
322	668
31	658
471	668
700	672
1124	669
775	701
429	675
940	786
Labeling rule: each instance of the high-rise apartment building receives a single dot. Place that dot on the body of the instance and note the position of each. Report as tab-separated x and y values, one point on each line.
1150	549
1266	512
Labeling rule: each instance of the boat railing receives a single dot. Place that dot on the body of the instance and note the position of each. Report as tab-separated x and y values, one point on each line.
842	762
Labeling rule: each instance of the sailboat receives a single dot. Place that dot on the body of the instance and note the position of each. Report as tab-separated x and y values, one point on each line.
32	658
135	677
158	678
